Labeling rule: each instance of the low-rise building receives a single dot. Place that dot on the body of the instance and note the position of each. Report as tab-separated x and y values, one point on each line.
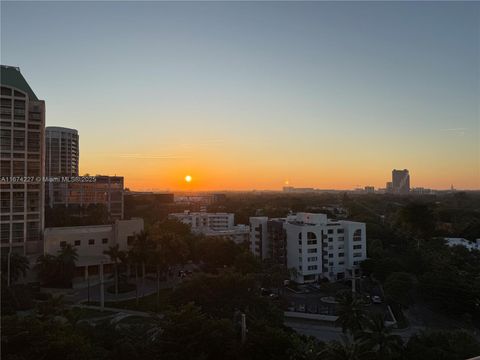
315	246
214	225
239	234
203	221
90	243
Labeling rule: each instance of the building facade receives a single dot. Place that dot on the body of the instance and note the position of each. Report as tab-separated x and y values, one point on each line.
214	225
400	181
203	221
105	190
61	151
22	127
313	245
91	242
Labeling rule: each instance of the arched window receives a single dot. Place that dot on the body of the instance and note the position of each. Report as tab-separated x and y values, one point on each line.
311	238
357	235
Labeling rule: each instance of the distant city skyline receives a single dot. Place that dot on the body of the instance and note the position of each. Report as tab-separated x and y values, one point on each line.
243	96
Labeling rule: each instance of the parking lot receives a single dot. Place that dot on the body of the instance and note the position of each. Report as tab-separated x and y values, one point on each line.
320	298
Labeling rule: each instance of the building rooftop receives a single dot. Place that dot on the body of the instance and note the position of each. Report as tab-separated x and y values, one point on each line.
11	76
59	128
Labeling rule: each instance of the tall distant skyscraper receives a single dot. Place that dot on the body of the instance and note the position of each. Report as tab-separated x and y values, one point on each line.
22	127
400	181
61	151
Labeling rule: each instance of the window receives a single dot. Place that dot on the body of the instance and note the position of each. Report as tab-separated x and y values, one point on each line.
313	267
91	242
341	263
340	231
330	231
341	247
299	259
77	242
104	241
299	251
311	238
330	264
357	235
299	236
63	244
312	258
357	254
300	268
356	262
330	239
341	238
330	255
341	254
299	242
357	247
312	251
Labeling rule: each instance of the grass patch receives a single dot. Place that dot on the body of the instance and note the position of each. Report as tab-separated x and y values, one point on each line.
148	303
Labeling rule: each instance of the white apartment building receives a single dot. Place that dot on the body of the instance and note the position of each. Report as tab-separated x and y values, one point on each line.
203	221
315	246
321	248
214	225
90	242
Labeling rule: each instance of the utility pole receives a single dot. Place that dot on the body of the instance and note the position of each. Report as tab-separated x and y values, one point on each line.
244	328
102	288
88	290
353	280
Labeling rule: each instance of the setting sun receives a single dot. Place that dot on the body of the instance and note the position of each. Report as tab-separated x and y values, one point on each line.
188	178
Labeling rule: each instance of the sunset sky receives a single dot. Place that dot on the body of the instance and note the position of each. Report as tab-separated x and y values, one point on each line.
244	95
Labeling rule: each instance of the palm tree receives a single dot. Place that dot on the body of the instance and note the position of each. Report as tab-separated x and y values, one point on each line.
67	256
132	259
19	265
379	338
350	312
159	260
47	269
142	248
114	253
346	350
